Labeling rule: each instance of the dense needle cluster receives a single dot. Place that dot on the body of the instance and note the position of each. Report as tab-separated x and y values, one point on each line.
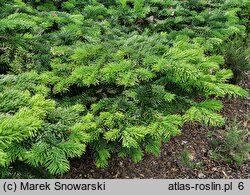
118	77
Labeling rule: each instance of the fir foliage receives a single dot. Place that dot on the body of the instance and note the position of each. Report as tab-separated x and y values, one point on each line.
115	76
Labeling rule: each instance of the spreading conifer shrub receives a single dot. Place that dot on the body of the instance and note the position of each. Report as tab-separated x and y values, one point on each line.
118	77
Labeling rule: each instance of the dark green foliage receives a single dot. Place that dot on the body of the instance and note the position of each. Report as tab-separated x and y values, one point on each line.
237	57
186	160
118	76
21	170
233	146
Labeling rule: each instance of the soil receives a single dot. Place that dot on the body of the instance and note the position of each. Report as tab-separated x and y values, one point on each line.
194	138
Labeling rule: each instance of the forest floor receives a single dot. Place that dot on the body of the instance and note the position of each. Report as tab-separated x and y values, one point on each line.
194	141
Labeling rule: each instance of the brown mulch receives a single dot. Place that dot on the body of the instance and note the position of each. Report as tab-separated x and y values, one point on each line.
194	138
